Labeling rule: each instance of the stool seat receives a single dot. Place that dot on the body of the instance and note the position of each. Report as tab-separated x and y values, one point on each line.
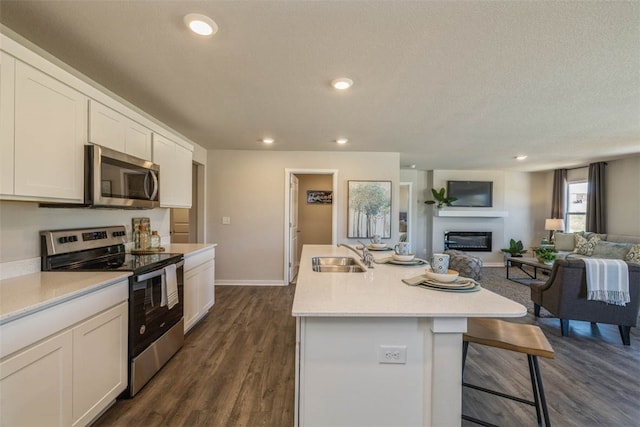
518	337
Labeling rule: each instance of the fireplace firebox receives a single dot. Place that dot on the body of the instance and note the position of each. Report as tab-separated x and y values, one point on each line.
471	241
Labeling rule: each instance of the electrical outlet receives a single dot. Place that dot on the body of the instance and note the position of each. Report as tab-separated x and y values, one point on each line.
226	220
392	354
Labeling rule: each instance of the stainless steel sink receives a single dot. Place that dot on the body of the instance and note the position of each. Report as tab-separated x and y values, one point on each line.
336	265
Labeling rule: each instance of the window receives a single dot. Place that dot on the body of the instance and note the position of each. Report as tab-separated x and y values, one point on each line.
576	206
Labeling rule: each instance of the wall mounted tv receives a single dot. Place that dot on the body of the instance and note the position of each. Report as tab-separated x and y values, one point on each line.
471	194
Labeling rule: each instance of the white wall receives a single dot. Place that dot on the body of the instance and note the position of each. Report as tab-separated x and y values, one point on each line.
623	197
249	187
21	222
511	193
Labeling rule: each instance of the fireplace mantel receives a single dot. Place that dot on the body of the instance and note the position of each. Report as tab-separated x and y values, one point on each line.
470	213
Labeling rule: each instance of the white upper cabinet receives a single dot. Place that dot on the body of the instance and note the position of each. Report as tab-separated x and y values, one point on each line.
7	114
175	172
111	129
49	132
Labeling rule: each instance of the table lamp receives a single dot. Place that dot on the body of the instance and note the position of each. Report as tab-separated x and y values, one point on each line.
553	225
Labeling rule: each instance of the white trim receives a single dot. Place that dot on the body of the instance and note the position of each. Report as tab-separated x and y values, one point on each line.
334	209
251	283
21	267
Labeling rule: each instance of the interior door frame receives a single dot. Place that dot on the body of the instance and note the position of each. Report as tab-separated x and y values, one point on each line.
410	225
334	210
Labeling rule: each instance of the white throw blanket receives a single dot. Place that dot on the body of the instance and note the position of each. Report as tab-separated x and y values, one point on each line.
607	280
169	287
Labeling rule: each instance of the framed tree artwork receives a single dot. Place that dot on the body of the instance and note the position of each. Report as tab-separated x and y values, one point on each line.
369	204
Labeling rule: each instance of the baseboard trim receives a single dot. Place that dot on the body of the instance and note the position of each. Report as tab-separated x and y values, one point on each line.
251	283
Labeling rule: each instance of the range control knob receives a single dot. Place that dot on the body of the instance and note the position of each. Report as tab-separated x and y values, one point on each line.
62	239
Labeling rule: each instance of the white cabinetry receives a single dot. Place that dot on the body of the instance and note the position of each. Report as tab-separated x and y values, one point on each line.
175	172
99	363
65	364
199	286
36	384
44	142
111	129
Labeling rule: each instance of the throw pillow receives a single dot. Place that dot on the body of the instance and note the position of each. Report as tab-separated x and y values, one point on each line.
611	250
634	254
565	241
584	246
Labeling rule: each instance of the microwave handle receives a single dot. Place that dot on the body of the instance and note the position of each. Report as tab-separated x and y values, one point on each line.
156	273
155	185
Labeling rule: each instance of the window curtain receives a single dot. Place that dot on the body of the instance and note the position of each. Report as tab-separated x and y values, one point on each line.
559	198
596	195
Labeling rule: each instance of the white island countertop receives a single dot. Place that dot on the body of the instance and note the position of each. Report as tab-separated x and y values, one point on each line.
380	292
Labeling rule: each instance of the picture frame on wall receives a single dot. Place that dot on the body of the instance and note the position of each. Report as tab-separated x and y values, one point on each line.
369	209
319	197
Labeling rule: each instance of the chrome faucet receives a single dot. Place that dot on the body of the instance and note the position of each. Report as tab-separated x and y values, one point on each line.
366	257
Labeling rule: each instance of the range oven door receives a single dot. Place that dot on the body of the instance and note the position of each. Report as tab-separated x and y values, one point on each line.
148	318
115	179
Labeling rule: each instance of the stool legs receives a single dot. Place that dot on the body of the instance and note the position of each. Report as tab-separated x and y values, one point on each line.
538	390
539	400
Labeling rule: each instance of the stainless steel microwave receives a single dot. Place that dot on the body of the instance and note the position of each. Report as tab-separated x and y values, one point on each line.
118	180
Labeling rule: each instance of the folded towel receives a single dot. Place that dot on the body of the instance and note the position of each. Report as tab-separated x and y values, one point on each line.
171	285
607	280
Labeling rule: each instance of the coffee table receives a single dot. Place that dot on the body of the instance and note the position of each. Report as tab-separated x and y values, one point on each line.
528	266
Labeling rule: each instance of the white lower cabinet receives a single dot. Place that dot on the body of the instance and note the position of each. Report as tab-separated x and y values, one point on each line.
35	384
99	363
199	286
69	378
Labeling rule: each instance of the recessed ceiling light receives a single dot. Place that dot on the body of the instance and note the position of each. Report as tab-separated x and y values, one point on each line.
201	24
342	141
412	166
521	157
342	83
267	140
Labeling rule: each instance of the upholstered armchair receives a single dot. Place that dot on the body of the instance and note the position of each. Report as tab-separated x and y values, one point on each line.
565	295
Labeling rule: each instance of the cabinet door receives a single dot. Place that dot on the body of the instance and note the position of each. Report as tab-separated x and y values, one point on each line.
7	96
190	304
114	130
106	127
99	362
175	172
138	141
207	286
50	132
35	384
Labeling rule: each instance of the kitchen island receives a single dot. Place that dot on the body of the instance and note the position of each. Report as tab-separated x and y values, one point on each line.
373	351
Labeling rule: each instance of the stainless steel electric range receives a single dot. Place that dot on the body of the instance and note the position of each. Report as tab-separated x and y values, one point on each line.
156	324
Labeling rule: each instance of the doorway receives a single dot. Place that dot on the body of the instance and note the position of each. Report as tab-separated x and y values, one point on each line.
310	215
405	208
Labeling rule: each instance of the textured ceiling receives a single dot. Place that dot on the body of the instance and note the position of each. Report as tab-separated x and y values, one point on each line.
449	85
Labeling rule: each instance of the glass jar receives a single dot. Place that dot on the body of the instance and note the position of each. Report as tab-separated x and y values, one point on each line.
155	240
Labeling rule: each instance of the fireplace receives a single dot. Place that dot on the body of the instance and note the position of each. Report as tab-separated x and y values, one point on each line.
471	241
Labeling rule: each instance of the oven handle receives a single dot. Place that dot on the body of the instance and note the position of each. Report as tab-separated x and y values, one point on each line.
155	273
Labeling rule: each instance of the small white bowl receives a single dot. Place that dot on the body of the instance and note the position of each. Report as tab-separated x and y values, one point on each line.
450	276
404	258
377	245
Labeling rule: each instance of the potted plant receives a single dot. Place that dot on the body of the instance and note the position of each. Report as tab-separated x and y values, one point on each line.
545	255
440	198
515	249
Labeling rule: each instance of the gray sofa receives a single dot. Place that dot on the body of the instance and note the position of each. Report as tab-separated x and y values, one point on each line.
564	294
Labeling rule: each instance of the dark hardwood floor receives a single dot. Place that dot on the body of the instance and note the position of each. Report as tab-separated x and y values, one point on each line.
237	369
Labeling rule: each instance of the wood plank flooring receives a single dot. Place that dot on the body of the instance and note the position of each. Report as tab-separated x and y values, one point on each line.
237	369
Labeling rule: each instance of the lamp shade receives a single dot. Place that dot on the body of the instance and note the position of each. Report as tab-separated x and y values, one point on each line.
553	224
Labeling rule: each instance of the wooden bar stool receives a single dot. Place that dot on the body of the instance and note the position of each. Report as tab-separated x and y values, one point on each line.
528	339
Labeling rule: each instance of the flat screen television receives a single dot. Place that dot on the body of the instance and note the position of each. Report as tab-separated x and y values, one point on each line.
471	194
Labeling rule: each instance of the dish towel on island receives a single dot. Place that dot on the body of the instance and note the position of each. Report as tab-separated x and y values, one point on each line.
607	280
169	287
